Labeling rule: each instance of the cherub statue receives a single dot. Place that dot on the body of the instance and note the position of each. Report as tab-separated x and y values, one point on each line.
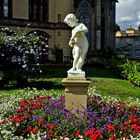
78	42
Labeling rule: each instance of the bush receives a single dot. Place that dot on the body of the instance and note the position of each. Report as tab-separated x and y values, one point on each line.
23	50
126	69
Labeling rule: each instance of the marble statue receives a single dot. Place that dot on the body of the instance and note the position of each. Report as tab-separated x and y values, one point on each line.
78	42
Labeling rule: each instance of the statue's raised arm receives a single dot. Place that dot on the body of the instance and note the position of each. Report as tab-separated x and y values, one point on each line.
78	41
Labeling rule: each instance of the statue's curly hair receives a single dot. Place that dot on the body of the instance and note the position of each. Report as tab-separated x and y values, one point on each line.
70	17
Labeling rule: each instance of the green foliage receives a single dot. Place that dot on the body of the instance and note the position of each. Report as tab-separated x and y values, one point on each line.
116	62
126	68
117	27
23	50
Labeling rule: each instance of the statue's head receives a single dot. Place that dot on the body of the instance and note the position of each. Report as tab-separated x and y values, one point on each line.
71	20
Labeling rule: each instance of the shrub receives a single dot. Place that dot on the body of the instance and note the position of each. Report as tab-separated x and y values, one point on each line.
126	69
23	50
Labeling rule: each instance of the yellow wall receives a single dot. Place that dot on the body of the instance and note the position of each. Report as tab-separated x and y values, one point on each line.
59	7
51	10
59	38
118	33
20	9
60	41
130	31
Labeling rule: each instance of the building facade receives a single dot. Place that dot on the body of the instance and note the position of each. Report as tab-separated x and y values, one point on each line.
128	43
46	17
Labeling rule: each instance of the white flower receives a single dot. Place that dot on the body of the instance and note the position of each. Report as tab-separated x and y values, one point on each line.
24	66
66	138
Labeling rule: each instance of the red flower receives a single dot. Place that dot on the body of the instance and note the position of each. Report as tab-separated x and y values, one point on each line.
48	97
136	128
41	121
122	128
24	117
2	122
51	126
89	132
122	103
113	137
23	103
77	134
29	129
17	120
94	137
50	133
110	128
35	105
99	133
35	130
126	123
39	99
133	119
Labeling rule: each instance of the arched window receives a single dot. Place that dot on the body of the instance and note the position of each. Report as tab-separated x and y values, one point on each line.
84	14
38	10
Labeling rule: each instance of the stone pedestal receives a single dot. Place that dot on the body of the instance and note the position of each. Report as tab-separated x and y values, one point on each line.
76	87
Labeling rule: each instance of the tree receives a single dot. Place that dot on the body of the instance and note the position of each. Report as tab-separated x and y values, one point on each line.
117	27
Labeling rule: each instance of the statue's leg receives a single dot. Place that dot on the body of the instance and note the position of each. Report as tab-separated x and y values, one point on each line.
81	60
76	53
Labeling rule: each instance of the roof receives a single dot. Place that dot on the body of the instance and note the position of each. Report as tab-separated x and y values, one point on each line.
130	29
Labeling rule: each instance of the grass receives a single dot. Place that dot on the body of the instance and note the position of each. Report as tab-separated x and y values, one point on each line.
116	87
104	79
107	83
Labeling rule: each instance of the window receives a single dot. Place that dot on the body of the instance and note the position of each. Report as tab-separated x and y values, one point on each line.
59	17
6	8
84	14
38	10
59	33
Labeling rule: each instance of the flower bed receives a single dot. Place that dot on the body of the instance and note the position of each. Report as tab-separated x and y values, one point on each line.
46	118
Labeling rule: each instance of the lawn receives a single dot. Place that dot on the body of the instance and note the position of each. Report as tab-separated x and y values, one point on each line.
106	82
